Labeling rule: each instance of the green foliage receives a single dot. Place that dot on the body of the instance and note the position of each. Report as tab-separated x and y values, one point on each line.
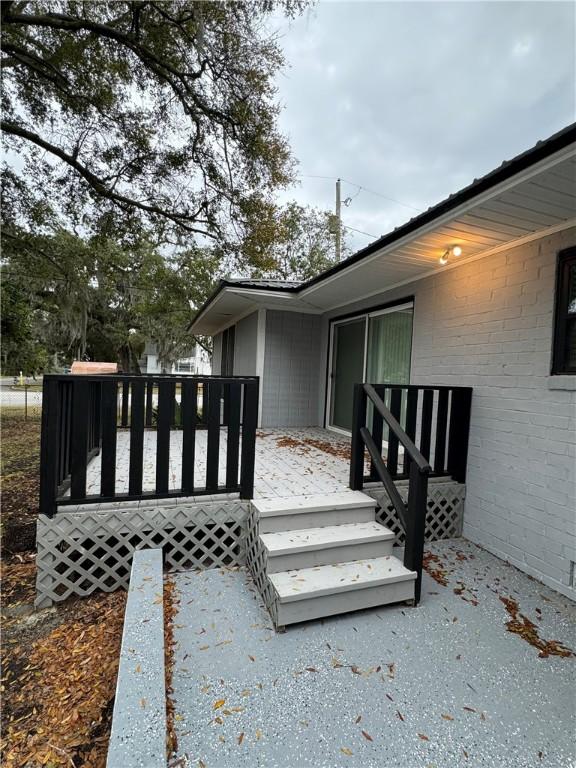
99	299
292	243
132	115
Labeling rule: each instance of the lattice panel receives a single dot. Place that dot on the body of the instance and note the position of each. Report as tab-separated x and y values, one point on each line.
256	559
445	510
81	552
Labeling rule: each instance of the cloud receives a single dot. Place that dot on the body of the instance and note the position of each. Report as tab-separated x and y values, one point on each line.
415	99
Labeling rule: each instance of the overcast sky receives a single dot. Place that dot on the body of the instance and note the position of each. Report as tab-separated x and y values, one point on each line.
415	99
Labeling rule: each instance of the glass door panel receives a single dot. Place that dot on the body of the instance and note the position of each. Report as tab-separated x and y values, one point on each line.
347	370
389	347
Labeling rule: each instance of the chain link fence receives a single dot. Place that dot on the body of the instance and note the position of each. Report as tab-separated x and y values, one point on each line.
22	399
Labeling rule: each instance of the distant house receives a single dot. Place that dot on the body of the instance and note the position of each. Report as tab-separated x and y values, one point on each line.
478	291
196	362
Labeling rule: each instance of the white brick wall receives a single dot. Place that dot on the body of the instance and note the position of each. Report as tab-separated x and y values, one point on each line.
488	325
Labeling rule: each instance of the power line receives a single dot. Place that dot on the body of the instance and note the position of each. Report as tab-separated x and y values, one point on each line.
360	232
361	187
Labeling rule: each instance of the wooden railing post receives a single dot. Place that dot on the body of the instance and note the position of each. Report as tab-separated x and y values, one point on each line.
249	424
459	433
48	447
416	525
357	443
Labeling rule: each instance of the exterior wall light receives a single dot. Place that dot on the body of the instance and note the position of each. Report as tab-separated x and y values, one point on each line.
454	250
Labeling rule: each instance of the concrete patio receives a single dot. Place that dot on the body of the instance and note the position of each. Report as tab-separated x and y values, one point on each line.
441	685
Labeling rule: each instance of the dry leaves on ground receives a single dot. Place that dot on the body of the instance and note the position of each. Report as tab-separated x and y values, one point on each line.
170	607
521	625
61	694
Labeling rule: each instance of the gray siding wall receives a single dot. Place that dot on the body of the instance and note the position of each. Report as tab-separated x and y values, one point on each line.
216	354
488	325
245	344
292	372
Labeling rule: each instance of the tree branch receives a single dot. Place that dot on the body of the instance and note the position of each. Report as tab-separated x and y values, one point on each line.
182	219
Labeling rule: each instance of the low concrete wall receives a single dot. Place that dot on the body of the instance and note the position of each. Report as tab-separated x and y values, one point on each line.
138	735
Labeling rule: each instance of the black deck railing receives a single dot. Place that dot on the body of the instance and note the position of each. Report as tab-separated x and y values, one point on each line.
81	417
424	432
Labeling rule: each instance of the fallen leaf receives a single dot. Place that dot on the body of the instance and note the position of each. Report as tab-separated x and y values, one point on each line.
138	669
258	734
469	709
447	717
358	719
400	715
346	751
311	669
367	736
241	738
142	703
218	704
389	697
251	658
423	737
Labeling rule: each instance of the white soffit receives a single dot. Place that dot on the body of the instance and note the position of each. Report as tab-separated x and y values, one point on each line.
538	200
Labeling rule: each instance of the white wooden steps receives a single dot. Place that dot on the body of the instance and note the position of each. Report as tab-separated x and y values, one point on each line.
324	555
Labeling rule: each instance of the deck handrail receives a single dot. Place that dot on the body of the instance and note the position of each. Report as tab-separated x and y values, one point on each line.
82	414
452	419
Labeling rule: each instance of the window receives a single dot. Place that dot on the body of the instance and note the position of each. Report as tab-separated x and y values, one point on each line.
227	363
564	354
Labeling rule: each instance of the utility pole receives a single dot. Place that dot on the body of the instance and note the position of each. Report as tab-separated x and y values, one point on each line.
338	222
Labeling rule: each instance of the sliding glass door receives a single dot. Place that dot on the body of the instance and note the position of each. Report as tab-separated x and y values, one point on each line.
389	347
348	342
374	347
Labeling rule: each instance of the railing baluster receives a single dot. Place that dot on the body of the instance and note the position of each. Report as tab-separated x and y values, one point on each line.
136	438
441	425
109	417
395	408
411	417
213	448
79	450
426	424
233	435
249	424
165	400
189	405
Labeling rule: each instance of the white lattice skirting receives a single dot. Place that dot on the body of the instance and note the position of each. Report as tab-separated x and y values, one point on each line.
80	552
445	509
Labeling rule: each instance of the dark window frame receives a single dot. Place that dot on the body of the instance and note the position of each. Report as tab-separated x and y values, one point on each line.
566	259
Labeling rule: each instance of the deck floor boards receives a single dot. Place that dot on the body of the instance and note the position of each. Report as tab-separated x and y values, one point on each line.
288	462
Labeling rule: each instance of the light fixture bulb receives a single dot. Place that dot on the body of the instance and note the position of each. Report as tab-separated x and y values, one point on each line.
444	258
456	250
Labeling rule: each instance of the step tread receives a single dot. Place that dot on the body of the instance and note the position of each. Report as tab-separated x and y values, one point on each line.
306	583
290	542
319	502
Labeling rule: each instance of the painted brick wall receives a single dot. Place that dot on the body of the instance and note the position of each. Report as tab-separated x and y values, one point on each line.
291	369
245	346
488	324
